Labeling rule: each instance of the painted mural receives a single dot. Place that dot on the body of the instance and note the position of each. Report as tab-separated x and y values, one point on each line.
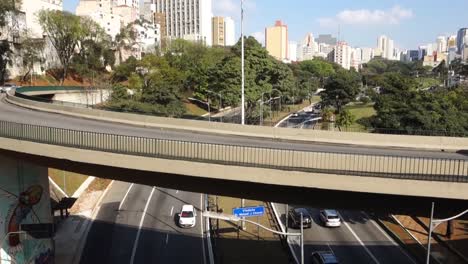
24	199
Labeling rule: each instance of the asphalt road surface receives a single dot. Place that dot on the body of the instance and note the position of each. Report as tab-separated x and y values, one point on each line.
14	113
144	229
359	240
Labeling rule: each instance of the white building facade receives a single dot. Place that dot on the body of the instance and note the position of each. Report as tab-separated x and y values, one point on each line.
32	8
386	47
230	31
187	19
342	55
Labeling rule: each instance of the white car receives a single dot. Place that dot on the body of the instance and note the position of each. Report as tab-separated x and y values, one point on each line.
8	87
187	216
330	218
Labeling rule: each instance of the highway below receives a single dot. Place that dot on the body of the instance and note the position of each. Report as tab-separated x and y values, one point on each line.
137	224
12	113
359	239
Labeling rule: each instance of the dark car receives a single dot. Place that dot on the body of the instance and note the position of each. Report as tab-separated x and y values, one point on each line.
294	216
324	257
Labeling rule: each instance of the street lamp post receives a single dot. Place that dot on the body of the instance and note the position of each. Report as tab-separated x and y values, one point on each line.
220	101
302	239
242	66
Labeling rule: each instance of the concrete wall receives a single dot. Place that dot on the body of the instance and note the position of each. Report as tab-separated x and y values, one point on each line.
24	199
363	139
89	98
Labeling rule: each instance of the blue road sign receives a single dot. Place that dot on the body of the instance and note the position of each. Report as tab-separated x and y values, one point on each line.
249	211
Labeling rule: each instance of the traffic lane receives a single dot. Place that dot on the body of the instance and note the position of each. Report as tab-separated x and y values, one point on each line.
378	242
127	223
162	240
13	113
338	240
105	234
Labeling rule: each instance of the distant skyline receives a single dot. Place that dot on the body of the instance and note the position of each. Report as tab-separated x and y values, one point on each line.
409	23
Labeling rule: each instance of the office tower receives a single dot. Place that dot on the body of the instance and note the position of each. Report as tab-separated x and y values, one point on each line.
276	41
462	33
356	58
342	55
223	31
326	39
187	19
441	44
386	46
309	47
219	31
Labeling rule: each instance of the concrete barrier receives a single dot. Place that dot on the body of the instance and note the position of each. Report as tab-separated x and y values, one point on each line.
362	139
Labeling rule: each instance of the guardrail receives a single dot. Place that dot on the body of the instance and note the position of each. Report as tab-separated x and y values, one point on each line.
26	89
399	167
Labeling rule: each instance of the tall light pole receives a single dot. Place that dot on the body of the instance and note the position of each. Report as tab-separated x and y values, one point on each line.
242	65
243	84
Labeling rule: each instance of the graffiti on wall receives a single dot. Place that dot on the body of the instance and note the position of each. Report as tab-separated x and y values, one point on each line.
24	199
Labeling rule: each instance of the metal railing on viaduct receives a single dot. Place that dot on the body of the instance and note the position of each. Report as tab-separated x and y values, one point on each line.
399	167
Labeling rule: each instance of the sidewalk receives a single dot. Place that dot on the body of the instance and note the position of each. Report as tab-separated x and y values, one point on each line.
418	227
252	245
72	231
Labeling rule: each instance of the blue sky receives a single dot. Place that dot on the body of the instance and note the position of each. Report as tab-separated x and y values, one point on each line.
410	23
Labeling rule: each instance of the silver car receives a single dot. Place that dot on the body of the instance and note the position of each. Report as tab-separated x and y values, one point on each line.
330	218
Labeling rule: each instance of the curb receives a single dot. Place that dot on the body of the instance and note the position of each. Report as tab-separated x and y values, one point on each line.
82	241
83	186
283	229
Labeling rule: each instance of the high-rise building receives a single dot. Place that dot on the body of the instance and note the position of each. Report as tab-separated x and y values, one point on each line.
292	51
367	55
230	31
309	47
462	33
464	53
187	19
386	46
356	58
219	31
31	9
441	44
223	31
326	39
276	41
342	55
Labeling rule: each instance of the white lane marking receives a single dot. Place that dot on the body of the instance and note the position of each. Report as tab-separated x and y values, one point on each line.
135	244
201	228
177	191
172	210
359	240
167	239
388	237
125	196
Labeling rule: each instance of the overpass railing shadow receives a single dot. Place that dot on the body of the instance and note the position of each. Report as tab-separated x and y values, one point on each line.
387	166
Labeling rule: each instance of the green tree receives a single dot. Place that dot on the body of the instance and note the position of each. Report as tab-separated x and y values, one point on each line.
5	60
125	40
345	119
95	50
31	50
341	89
65	31
7	10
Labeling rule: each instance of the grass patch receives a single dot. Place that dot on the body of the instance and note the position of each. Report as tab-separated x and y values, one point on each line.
193	109
69	182
360	111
